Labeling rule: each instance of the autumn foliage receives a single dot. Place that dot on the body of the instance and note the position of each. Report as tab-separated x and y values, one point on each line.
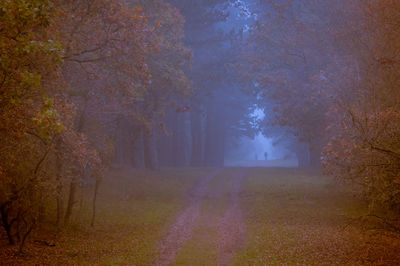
69	70
330	73
365	147
85	84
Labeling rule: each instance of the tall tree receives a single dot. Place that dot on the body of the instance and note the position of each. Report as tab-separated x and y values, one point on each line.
105	49
214	46
364	147
35	115
169	87
292	55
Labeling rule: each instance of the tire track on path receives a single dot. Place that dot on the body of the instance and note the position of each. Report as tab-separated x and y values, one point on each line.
232	228
182	229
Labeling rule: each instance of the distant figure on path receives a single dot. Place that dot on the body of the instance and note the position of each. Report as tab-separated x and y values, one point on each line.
266	156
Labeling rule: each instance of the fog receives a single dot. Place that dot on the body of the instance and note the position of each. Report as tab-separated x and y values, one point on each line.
222	122
199	132
255	148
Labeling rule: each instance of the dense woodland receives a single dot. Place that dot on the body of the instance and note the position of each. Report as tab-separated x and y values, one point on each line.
90	84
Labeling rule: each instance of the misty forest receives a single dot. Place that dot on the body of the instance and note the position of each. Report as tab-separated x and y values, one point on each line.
199	132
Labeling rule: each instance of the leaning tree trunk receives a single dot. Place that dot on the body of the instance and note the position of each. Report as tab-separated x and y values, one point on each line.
29	228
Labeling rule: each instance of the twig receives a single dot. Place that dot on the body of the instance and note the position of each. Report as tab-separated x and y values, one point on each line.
387	222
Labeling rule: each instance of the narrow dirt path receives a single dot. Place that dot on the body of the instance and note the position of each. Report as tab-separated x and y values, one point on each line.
182	229
232	229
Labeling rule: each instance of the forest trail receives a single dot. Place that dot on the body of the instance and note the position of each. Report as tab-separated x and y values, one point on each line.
230	227
182	229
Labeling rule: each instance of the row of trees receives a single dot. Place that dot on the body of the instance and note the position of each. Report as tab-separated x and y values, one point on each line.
329	71
88	83
217	112
71	73
85	84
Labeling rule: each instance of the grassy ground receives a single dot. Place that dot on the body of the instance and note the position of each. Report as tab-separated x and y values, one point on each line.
135	209
300	217
292	217
201	249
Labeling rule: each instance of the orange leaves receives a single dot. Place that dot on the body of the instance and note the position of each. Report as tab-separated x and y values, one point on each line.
368	114
68	71
367	151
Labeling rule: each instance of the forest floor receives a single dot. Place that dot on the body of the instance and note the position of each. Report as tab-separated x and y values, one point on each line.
229	216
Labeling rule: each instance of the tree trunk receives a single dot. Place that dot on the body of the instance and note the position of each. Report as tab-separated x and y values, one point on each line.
148	152
96	189
29	229
210	145
308	155
164	144
178	139
196	134
60	205
41	212
71	200
302	159
134	137
118	150
6	223
60	200
74	183
315	157
173	148
302	154
132	149
214	154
